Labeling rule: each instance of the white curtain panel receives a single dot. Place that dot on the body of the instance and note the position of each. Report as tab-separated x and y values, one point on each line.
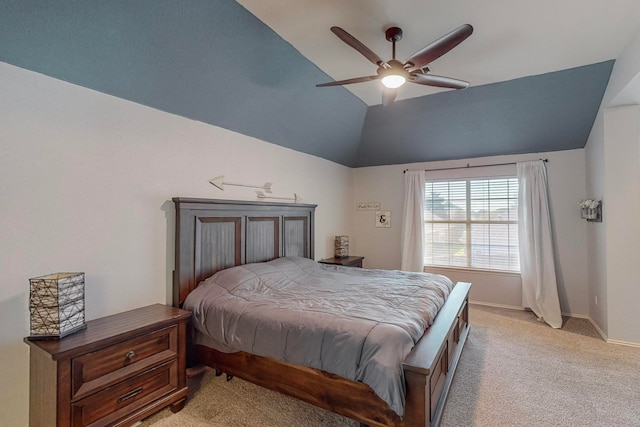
537	265
413	223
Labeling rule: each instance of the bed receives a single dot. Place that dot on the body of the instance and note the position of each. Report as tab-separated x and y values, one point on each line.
214	235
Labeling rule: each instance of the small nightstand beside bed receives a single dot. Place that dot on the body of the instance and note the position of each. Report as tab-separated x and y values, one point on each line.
120	369
216	236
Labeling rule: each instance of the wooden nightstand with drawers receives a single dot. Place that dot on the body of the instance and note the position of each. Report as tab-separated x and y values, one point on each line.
119	370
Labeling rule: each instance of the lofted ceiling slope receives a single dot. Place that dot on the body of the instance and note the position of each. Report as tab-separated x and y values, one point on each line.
210	61
549	112
219	63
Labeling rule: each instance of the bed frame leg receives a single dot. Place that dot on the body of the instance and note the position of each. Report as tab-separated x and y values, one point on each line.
229	377
218	372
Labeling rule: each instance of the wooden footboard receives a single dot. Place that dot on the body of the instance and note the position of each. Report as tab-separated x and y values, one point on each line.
429	370
430	366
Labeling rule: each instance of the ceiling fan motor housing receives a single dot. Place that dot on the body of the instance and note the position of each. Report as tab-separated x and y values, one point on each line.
393	34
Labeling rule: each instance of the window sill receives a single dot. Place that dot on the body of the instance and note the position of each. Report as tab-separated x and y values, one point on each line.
426	269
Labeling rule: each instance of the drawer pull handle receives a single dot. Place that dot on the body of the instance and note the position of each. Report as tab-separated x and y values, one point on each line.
130	355
130	395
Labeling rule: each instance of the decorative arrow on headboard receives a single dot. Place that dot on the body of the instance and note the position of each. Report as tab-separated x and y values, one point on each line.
295	197
220	183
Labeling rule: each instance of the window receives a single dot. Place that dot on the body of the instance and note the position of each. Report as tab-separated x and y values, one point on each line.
472	223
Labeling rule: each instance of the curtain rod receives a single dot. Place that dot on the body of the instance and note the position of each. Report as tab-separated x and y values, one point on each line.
474	166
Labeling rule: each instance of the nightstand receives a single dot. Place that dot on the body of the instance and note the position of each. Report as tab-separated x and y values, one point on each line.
119	370
348	261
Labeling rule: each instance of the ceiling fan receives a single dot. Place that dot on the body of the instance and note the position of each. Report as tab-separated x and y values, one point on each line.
394	73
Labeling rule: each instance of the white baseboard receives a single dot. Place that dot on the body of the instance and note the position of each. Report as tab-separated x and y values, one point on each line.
627	343
490	304
600	331
578	316
610	341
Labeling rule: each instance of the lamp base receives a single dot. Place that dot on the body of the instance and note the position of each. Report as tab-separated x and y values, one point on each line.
57	337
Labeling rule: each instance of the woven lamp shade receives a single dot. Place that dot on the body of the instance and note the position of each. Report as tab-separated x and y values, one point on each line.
341	246
56	304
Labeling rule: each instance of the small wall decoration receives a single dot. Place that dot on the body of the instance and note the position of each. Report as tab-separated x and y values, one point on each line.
591	210
383	219
368	206
341	246
295	197
220	183
56	304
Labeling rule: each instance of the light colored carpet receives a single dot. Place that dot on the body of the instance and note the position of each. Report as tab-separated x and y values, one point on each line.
514	371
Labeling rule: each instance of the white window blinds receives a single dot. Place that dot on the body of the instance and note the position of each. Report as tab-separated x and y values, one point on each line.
472	223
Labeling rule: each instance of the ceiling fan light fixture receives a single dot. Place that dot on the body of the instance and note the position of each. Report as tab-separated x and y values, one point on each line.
394	73
393	81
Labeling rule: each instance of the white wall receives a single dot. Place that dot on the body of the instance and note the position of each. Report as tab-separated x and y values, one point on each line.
622	210
612	296
86	181
566	173
596	235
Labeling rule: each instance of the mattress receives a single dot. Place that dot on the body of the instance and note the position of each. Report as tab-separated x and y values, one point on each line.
356	323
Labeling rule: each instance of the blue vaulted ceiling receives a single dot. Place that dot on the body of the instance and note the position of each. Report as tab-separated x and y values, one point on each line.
215	62
548	112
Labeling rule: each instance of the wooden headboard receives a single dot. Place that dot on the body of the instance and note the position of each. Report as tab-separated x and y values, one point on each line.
212	235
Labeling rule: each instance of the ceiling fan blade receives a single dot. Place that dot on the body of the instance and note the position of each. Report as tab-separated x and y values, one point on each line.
388	96
438	81
349	81
436	49
357	45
